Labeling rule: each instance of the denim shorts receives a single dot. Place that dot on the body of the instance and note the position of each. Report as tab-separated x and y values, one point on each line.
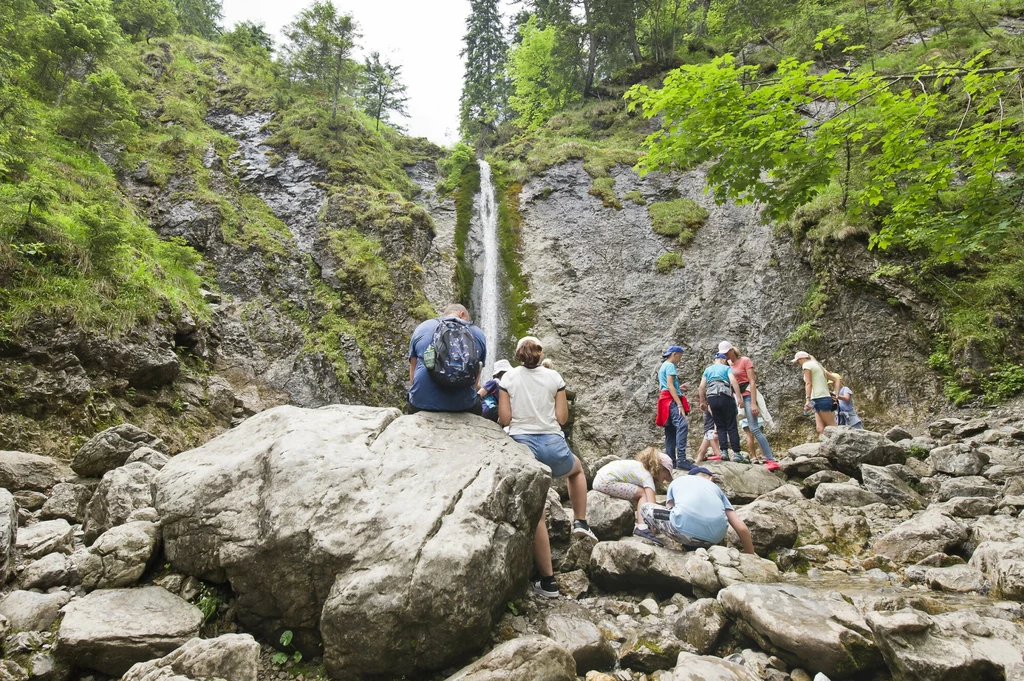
551	450
822	404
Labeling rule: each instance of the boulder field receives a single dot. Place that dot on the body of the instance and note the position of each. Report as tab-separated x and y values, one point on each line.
352	542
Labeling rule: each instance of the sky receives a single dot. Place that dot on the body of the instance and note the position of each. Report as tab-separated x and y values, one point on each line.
424	36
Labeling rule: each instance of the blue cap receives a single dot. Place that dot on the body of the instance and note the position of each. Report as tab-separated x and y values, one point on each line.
671	349
700	469
719	355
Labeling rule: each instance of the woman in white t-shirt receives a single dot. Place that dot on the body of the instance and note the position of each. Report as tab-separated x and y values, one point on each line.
533	405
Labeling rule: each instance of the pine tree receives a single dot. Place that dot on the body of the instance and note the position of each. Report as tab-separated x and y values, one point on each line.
382	91
484	89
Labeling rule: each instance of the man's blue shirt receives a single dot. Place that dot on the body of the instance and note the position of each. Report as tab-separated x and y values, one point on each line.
424	393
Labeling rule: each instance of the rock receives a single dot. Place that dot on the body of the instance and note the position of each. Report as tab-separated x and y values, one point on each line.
8	532
148	456
23	471
296	483
577	556
968	486
649	606
966	507
844	494
33	651
972	427
49	571
574	584
701	624
815	630
690	667
784	494
649	650
29	500
572	627
110	449
771	527
67	501
633	565
907	474
889	487
955	578
732	567
817	523
741	482
811	482
808	449
112	629
558	520
31	611
610	518
996	528
847	449
957	459
898	434
147	514
12	671
920	468
1002	563
944	427
231	657
803	466
119	556
1003	473
121	492
35	541
963	644
921	536
530	658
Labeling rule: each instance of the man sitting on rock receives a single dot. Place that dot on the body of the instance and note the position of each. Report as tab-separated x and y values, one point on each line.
445	359
697	513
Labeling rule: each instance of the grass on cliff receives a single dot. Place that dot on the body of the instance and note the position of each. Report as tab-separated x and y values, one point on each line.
680	218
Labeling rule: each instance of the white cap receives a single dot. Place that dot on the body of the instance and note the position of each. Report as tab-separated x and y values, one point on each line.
799	356
528	338
724	347
501	366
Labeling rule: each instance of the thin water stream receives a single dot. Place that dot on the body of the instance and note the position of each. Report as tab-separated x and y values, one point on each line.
489	274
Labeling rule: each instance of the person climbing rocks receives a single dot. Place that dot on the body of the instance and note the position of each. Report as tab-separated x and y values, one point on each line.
673	408
847	413
746	377
709	440
636	480
719	391
533	405
446	356
696	514
817	397
489	393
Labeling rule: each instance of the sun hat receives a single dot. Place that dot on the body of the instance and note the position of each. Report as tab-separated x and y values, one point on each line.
666	462
800	355
724	347
501	366
528	338
721	355
700	469
671	349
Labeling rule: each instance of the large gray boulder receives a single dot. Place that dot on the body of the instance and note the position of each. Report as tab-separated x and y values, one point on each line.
965	644
958	459
996	528
24	471
1002	563
701	624
231	657
111	448
571	626
845	495
530	658
803	466
112	629
396	541
35	541
967	486
49	571
68	501
8	534
690	667
31	611
119	557
887	485
921	536
610	518
120	493
741	482
815	630
771	526
847	449
812	481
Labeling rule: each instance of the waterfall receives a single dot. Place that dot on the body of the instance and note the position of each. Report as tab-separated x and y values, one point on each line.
488	267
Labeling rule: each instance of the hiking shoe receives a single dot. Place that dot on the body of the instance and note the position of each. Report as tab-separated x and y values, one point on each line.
739	458
546	587
581	527
684	465
772	465
648	536
715	458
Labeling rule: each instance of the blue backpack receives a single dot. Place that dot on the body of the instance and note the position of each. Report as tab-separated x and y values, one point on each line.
456	357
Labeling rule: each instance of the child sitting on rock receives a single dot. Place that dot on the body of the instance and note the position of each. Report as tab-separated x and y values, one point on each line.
636	480
697	513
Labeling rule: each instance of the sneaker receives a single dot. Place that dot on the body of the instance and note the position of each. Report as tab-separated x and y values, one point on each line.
772	465
581	527
546	587
684	465
715	457
648	536
739	458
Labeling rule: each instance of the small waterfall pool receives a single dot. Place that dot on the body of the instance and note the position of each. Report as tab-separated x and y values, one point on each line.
487	281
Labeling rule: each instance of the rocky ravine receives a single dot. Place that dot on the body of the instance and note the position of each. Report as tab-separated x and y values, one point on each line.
606	315
369	545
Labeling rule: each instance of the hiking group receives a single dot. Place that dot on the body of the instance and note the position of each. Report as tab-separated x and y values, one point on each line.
446	359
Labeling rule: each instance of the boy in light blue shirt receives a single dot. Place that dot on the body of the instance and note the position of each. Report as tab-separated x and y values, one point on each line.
673	408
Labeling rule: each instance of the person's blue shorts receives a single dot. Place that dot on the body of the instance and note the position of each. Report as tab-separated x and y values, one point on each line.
551	450
822	404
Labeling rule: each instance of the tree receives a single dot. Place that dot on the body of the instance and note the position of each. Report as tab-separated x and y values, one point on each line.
77	35
320	42
543	81
248	36
483	102
145	19
199	17
100	110
382	90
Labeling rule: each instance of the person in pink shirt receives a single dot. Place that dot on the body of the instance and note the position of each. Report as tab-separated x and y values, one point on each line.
743	370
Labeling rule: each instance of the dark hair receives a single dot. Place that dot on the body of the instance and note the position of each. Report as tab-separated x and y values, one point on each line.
529	354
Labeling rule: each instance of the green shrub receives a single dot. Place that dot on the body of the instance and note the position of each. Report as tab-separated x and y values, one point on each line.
667	262
604	189
680	218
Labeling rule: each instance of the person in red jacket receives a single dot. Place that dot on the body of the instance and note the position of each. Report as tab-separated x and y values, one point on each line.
673	408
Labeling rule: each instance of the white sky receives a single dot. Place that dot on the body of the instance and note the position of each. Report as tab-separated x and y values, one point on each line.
424	36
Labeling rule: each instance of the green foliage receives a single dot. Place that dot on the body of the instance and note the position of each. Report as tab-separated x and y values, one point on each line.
100	110
199	17
1004	383
680	218
542	83
381	91
321	40
250	39
209	601
522	313
469	185
636	197
604	189
452	165
145	19
483	105
668	261
70	41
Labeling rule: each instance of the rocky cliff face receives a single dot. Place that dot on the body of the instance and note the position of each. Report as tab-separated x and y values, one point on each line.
605	314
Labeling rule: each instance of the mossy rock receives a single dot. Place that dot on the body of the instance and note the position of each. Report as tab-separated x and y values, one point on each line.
604	189
679	218
667	262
